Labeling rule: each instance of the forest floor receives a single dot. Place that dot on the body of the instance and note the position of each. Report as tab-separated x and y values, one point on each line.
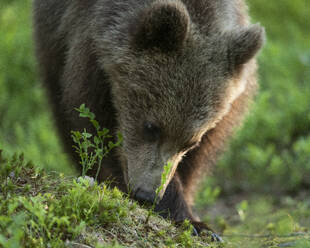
39	209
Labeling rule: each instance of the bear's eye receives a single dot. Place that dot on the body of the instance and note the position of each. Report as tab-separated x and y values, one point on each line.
151	132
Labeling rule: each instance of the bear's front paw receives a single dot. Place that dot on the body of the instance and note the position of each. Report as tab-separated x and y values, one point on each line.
199	227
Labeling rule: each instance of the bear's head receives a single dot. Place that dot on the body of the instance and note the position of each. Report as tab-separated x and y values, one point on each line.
172	84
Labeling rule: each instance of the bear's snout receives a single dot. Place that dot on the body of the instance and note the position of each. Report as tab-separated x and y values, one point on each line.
143	196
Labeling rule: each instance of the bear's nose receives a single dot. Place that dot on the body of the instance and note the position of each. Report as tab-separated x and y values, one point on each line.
145	196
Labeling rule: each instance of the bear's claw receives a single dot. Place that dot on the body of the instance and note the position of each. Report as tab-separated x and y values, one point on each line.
198	227
217	238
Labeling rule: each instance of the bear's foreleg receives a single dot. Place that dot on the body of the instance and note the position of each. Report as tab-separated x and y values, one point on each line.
174	206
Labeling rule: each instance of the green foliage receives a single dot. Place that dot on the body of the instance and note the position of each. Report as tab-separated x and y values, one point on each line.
208	195
50	210
186	236
92	149
42	219
25	120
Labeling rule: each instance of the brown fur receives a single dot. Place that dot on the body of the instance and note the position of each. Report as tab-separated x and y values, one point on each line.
174	77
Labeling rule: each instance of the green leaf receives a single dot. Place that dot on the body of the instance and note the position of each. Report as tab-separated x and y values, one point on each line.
119	138
82	107
103	133
97	140
95	124
111	145
87	135
76	134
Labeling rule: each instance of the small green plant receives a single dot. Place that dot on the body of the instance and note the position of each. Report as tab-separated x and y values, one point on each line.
242	209
186	237
164	178
92	148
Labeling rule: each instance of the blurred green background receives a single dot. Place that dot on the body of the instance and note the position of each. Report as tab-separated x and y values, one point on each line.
271	153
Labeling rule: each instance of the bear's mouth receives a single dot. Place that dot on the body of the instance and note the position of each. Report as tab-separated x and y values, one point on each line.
145	197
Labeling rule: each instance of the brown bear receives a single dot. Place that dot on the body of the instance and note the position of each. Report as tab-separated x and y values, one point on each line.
173	76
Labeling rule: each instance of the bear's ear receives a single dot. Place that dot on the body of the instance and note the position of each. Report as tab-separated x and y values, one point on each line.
244	44
165	26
